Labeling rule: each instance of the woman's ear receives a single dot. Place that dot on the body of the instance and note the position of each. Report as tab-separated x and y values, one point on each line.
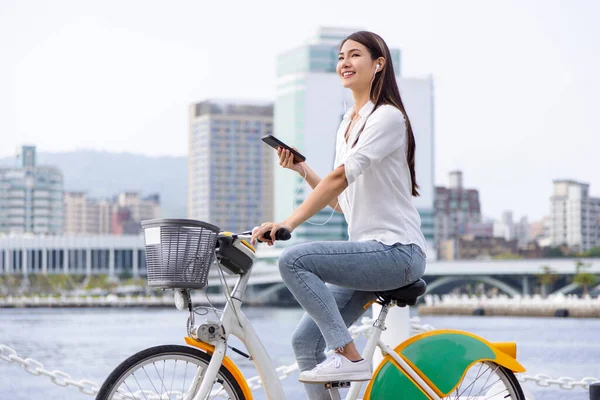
380	64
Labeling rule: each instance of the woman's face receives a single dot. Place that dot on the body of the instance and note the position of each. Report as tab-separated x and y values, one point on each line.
355	66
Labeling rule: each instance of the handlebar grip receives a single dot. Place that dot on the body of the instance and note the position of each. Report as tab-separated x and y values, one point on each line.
281	234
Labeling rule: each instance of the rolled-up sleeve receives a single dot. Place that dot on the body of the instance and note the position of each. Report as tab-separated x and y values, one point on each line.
384	132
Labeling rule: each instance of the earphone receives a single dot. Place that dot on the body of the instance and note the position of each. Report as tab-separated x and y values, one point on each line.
377	68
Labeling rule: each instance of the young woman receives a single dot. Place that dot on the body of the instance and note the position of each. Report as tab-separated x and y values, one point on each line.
372	185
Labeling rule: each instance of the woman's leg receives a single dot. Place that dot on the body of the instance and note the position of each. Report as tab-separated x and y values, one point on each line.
308	342
364	266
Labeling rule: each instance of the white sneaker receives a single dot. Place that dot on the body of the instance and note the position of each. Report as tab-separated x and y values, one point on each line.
337	368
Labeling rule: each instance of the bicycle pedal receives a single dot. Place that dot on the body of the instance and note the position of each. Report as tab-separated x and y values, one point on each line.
337	385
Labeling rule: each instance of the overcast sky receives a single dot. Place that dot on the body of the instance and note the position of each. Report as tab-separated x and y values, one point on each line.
517	83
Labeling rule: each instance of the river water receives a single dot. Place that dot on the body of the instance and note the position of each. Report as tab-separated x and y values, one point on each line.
90	343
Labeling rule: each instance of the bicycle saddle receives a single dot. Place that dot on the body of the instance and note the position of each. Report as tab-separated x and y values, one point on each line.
406	295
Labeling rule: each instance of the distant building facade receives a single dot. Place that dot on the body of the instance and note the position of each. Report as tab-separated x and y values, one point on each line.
120	215
230	169
539	231
73	255
456	210
469	247
508	229
482	229
31	197
574	216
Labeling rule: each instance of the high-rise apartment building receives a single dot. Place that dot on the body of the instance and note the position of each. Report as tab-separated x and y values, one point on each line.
230	169
456	208
31	197
82	215
310	104
574	216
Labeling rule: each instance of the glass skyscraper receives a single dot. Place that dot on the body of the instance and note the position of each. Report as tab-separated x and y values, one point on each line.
309	105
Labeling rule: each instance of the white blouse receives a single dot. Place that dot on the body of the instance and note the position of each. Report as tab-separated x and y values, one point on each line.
377	203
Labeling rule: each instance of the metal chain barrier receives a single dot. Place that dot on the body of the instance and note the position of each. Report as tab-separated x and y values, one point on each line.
57	377
564	382
365	328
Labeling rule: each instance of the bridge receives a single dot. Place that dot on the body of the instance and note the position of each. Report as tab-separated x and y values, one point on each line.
124	256
512	277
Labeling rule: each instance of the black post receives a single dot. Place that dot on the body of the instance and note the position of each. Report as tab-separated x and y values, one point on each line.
595	391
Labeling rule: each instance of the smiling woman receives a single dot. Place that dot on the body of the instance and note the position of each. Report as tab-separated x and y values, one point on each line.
372	184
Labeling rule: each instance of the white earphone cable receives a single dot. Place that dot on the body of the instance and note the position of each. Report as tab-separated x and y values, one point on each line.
298	191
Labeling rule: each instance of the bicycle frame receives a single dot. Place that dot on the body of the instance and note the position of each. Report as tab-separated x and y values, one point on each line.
235	322
262	361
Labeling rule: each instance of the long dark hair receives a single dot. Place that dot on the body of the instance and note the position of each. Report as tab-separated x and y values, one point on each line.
384	90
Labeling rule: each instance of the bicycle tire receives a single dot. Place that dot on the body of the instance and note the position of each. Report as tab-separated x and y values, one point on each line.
110	390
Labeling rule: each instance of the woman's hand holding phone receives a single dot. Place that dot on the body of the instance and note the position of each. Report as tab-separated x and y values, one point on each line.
286	160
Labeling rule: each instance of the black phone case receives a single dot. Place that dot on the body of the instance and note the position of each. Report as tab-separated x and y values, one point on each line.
275	143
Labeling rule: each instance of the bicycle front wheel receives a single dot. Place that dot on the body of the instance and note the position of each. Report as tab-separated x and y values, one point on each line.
168	372
487	380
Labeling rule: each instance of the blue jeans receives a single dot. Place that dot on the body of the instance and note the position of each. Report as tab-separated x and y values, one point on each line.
333	281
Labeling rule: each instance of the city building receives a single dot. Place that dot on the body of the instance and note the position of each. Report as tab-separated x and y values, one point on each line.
129	209
76	255
31	197
230	169
482	229
574	216
539	231
469	247
456	208
509	229
309	106
82	215
118	216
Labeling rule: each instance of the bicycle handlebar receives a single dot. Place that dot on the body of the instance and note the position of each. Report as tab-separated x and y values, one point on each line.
282	234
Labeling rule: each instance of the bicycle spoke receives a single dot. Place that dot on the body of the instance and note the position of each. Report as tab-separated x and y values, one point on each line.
162	382
143	379
479	380
173	377
141	390
184	376
472	384
144	369
130	391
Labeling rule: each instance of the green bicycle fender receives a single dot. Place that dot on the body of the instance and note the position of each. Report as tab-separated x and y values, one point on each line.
441	358
390	382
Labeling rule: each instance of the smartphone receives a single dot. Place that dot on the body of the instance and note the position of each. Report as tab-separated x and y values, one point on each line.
275	143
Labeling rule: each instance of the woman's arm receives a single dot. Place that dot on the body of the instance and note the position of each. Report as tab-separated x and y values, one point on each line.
313	180
324	193
286	160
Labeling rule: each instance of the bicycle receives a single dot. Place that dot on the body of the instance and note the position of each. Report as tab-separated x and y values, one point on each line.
439	364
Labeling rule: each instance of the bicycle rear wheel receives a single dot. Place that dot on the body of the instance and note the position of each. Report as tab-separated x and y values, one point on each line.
487	380
168	372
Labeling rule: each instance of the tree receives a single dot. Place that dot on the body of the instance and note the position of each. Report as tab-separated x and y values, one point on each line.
552	252
585	279
547	277
593	252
